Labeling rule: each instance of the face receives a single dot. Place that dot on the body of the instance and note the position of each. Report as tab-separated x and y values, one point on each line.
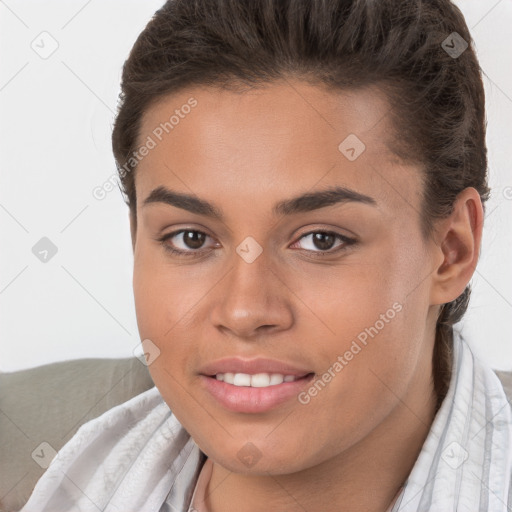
336	290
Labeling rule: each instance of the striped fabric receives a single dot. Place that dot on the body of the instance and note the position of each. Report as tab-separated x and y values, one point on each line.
465	464
137	456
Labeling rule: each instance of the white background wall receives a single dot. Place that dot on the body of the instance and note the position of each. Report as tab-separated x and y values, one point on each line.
56	116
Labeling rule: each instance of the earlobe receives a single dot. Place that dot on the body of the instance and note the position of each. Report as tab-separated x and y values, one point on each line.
458	249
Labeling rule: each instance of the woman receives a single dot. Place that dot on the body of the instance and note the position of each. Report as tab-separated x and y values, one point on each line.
306	183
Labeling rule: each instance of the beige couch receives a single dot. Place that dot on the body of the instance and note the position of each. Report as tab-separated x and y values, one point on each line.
42	408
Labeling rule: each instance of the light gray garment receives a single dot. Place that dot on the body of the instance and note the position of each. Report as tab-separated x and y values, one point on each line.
138	458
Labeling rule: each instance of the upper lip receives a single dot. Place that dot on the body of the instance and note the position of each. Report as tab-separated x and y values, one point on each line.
251	366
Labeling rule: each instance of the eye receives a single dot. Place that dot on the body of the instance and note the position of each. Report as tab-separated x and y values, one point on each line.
323	241
192	241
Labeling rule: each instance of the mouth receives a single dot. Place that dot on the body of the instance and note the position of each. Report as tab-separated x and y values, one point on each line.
254	393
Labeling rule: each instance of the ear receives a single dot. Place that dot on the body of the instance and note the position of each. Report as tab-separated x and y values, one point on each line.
457	247
133	229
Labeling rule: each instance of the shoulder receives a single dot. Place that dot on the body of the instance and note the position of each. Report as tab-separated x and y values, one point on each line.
117	458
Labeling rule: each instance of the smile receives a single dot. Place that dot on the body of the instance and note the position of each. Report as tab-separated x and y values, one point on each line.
245	393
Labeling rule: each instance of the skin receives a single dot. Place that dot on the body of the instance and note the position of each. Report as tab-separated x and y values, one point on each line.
354	444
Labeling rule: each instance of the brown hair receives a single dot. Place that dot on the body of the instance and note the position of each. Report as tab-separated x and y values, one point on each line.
437	99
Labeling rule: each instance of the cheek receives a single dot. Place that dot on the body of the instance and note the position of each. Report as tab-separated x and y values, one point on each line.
164	294
168	302
375	311
354	295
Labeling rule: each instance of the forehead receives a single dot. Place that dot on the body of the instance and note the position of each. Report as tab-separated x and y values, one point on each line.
284	107
288	135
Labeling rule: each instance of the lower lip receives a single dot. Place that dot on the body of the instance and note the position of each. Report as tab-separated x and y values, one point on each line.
253	400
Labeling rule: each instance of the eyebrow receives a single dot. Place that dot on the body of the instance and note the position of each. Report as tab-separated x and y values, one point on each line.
307	202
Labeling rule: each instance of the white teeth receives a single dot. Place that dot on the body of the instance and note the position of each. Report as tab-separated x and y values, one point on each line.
258	380
242	379
275	378
228	377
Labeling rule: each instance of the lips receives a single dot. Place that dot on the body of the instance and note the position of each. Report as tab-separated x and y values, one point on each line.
255	400
253	385
252	366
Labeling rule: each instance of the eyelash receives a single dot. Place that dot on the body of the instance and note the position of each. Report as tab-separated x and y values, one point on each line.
194	253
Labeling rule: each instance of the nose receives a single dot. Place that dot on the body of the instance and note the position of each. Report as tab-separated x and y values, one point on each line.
253	300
